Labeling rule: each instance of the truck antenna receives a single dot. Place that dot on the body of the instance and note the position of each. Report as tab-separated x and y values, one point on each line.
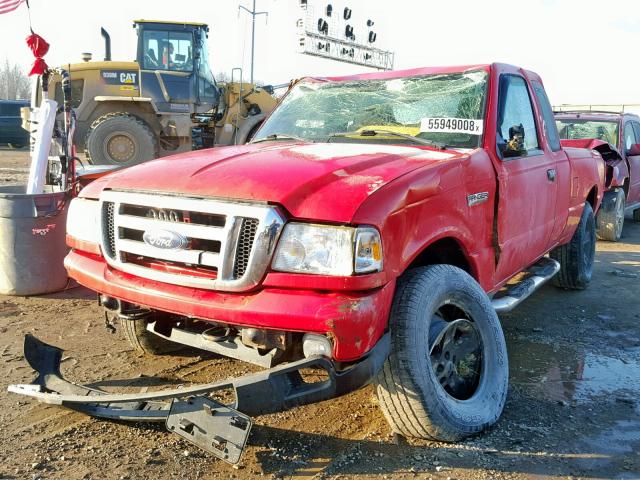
253	14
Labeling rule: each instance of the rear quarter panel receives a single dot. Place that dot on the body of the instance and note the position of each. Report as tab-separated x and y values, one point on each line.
586	175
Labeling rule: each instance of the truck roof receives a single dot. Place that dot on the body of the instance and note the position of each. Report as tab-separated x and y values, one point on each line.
168	22
593	115
382	75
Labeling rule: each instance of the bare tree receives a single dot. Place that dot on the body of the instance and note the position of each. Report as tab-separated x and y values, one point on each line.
223	77
14	84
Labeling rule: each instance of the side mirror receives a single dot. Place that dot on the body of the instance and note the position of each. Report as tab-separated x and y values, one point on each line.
515	146
634	150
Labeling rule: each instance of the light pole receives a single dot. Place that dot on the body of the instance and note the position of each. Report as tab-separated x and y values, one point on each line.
253	14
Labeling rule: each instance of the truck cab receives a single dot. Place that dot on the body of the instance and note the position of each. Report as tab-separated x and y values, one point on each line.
174	66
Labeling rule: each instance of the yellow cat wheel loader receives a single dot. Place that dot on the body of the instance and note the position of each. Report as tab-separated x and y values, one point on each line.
164	102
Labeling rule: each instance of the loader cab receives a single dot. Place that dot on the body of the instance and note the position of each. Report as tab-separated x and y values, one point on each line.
174	66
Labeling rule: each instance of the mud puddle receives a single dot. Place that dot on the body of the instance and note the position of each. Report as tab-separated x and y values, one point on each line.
570	374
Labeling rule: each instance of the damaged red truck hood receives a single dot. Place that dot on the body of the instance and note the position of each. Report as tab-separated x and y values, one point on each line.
319	181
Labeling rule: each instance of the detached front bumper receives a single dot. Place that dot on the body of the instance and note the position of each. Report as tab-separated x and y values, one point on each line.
219	429
355	321
268	391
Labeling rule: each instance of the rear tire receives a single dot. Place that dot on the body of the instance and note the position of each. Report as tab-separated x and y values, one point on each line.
636	215
610	218
143	341
120	139
577	257
433	385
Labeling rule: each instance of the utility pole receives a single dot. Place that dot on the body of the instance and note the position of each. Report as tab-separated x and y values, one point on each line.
253	14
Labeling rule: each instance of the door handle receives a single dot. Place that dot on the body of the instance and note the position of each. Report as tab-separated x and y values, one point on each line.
551	174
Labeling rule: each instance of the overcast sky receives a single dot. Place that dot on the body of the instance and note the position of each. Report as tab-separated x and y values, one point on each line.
585	50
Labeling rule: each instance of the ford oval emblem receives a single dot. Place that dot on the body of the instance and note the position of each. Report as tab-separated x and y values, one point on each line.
165	239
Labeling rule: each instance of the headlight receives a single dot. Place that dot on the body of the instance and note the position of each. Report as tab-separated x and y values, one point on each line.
328	250
82	220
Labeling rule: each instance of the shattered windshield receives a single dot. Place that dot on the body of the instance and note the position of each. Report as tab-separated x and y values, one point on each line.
578	129
444	108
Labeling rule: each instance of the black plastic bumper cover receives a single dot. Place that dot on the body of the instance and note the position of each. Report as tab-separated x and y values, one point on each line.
268	391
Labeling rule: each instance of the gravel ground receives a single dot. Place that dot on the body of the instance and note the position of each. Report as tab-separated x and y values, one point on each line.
573	409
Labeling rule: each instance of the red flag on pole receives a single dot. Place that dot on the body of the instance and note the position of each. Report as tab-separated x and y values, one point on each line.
7	6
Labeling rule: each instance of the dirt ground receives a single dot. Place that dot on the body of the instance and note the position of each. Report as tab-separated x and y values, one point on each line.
573	409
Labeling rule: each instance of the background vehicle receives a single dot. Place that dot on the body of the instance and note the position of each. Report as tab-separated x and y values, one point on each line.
11	131
622	130
377	241
130	112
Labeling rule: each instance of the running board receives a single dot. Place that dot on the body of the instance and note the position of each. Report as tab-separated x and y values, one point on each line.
535	276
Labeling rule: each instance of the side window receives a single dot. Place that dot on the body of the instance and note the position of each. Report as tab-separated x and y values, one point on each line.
517	133
550	128
167	51
150	53
629	138
636	127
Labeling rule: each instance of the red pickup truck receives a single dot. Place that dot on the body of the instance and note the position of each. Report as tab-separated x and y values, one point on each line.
374	227
622	131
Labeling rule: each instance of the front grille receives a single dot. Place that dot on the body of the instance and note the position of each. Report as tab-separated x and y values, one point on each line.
109	240
245	242
185	241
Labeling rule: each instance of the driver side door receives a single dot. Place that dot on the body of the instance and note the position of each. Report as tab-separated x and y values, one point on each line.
527	187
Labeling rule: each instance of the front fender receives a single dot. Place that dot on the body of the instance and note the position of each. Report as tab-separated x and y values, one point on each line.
433	203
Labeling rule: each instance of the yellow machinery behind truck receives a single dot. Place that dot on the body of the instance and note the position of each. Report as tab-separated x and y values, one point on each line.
165	102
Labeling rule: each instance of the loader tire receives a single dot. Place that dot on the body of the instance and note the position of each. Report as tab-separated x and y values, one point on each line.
577	257
610	218
120	139
143	341
447	375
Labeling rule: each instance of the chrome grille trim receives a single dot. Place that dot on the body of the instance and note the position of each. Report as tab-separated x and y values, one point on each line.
255	257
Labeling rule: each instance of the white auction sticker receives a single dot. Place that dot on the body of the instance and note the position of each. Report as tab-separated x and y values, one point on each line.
452	125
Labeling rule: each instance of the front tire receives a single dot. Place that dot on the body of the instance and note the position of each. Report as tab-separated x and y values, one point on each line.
577	257
610	218
144	341
120	139
447	375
